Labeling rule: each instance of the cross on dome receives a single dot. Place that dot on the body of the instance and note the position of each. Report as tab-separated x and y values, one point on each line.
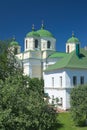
73	35
42	25
33	28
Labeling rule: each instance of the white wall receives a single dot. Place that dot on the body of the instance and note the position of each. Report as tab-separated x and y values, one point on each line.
67	77
44	41
71	47
60	93
75	72
31	43
32	68
67	83
56	74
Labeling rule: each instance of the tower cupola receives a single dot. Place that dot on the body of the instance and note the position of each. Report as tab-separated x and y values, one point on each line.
72	43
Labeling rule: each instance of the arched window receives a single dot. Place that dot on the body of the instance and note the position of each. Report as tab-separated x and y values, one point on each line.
68	49
36	43
26	44
15	51
48	44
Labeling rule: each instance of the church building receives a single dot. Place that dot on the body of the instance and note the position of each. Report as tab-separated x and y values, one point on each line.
61	71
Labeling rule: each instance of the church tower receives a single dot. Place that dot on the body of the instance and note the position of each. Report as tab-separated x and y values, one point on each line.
15	47
47	42
32	40
72	43
38	45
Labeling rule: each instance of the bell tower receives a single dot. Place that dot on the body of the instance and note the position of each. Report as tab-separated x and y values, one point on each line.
71	43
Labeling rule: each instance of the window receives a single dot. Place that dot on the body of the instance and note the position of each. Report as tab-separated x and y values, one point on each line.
15	50
82	80
61	101
60	81
26	44
53	99
48	44
52	81
74	80
36	43
68	48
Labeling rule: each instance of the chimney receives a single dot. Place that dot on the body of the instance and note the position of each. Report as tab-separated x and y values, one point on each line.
77	49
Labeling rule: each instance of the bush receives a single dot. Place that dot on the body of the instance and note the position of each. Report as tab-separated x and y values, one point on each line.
79	105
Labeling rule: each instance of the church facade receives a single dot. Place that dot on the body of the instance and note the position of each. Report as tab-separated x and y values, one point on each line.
61	71
38	45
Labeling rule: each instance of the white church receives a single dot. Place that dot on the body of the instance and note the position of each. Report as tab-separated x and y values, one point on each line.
60	71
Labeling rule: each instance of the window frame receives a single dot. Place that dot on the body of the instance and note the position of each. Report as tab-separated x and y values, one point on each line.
68	49
81	80
15	50
48	44
61	81
74	80
52	81
36	43
26	44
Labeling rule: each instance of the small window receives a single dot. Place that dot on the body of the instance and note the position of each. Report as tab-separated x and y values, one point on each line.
15	51
52	81
68	49
74	80
60	103
82	80
26	44
61	81
36	43
53	99
48	44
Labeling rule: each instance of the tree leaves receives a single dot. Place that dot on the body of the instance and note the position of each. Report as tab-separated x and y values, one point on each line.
23	107
9	64
79	104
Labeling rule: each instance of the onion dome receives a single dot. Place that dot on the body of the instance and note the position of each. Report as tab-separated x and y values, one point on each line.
44	33
73	39
14	43
33	33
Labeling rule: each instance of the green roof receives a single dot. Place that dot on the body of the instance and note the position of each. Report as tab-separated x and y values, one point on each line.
73	39
71	61
14	43
33	33
58	54
44	33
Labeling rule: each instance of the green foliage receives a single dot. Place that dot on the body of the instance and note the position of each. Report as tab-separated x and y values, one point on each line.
9	64
22	106
79	105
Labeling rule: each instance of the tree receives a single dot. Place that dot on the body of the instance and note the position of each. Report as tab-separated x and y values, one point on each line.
9	64
22	106
79	105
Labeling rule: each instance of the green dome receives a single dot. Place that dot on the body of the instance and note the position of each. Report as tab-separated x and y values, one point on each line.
33	33
14	43
73	39
44	33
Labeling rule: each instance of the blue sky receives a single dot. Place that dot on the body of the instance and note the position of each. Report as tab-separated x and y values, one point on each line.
61	17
